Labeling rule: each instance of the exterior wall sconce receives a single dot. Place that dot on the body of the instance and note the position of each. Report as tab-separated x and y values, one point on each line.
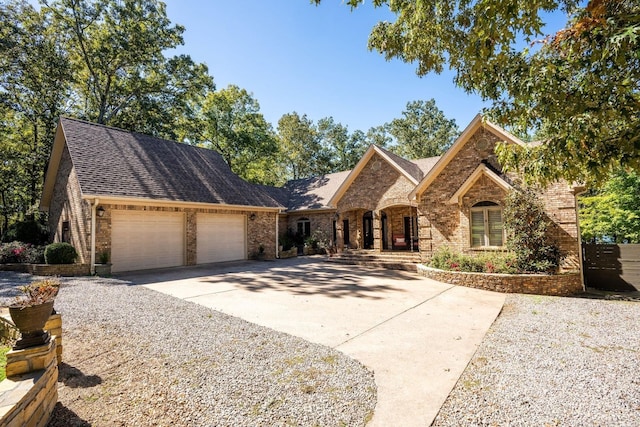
252	217
100	211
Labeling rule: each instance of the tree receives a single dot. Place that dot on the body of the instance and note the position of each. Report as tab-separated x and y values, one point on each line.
423	131
344	150
34	88
301	147
232	124
612	213
379	135
122	76
579	84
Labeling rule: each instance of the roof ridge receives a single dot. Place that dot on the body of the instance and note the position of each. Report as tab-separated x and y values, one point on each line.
133	132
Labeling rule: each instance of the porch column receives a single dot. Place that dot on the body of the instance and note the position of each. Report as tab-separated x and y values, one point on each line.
377	231
339	232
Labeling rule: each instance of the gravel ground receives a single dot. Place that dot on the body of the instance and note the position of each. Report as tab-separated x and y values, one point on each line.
550	361
133	356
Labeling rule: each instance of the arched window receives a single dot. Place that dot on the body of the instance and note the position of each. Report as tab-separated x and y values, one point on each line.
487	229
304	227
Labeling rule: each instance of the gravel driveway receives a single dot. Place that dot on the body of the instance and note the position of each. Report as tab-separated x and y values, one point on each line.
549	361
136	357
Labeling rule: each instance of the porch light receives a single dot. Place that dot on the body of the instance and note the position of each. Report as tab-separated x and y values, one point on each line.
100	211
252	217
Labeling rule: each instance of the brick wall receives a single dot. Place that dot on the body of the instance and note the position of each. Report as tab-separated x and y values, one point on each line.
445	224
260	229
67	205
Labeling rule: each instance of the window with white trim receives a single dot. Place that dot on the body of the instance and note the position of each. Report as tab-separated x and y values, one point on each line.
487	229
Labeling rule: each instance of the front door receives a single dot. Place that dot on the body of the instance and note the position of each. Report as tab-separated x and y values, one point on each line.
383	220
367	230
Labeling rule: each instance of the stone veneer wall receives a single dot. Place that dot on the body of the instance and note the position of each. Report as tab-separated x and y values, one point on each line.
541	284
30	391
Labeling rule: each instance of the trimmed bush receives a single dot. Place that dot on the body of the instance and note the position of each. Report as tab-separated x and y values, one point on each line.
489	262
60	253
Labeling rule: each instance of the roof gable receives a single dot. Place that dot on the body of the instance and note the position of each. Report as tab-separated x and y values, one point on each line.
477	123
481	170
113	162
409	170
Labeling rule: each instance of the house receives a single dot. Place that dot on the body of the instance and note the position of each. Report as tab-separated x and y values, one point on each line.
154	203
151	203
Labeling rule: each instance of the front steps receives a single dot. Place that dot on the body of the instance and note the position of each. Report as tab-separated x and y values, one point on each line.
404	260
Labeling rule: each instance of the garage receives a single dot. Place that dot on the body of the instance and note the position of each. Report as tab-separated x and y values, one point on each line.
142	240
221	238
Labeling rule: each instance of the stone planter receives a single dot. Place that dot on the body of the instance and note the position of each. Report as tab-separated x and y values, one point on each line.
102	269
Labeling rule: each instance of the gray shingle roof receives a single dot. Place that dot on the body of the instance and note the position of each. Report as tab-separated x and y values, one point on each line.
315	192
410	167
115	162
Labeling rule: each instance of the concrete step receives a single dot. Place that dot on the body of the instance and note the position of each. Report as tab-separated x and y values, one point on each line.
391	261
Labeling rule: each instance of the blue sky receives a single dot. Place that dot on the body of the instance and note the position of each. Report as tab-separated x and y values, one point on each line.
294	56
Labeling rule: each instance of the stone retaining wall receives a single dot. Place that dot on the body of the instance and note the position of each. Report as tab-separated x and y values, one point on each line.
30	391
541	284
49	269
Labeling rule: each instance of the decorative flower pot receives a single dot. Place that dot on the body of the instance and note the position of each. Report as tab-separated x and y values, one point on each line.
30	322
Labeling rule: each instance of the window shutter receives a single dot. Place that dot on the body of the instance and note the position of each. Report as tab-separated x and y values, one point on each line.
477	228
495	227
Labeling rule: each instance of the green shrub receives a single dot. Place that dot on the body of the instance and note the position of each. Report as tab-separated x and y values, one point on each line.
528	237
489	262
60	253
19	252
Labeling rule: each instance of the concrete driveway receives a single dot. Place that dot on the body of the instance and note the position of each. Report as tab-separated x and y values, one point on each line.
416	334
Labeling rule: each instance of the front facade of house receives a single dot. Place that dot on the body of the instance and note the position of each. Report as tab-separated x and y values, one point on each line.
150	203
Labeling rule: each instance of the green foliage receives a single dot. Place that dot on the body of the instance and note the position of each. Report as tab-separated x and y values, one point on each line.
528	233
317	240
344	150
300	143
488	262
122	76
612	213
30	230
234	127
579	85
423	131
287	240
60	253
4	349
20	252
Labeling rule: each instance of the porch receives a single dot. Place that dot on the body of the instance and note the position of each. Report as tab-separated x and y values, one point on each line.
388	230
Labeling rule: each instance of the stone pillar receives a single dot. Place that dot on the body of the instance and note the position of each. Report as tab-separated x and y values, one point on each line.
30	391
192	243
339	232
54	326
377	231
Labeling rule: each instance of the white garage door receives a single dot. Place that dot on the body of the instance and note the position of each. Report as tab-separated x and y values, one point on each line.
221	238
141	240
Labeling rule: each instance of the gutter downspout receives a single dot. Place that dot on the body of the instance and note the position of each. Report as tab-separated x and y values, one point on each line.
277	233
93	235
580	249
